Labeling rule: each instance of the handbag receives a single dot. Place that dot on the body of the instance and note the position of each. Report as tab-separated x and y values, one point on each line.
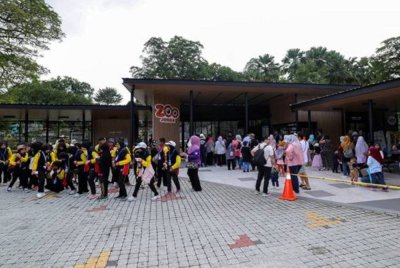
192	165
148	174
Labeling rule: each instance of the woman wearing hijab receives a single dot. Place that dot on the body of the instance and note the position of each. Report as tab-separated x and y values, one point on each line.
348	152
294	159
220	150
375	163
121	164
361	151
210	150
143	158
194	162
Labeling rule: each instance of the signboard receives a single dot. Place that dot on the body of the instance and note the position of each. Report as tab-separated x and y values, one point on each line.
166	113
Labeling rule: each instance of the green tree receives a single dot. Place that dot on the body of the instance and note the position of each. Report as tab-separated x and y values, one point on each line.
317	65
217	72
262	69
178	58
46	92
388	54
26	28
291	62
108	96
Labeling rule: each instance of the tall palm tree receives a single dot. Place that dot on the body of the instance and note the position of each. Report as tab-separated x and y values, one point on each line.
262	69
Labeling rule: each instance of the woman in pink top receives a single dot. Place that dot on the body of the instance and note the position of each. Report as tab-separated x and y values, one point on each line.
294	159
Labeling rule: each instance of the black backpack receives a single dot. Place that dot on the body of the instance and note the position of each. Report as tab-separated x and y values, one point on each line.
259	158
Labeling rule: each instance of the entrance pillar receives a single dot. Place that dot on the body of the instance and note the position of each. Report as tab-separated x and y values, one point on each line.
309	122
83	125
26	126
132	119
246	112
370	121
191	130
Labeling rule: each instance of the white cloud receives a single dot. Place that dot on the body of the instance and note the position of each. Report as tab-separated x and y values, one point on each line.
105	37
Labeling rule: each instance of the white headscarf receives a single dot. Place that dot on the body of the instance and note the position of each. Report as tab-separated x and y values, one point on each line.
361	150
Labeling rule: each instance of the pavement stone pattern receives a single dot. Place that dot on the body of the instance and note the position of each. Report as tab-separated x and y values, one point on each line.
222	226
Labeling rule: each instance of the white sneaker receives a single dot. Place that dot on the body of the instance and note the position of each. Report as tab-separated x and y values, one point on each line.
265	194
26	190
77	195
155	198
40	195
46	190
9	189
131	198
257	192
72	192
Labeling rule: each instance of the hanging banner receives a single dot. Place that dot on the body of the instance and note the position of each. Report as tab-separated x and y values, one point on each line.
166	113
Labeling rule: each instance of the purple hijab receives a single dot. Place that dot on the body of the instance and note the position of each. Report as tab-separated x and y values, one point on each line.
194	150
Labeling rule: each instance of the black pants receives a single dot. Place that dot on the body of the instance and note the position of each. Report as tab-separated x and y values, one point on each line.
175	179
139	182
121	183
231	162
54	187
22	175
33	180
41	178
4	172
83	184
294	178
263	173
70	183
210	158
114	173
164	177
220	159
91	180
194	179
104	182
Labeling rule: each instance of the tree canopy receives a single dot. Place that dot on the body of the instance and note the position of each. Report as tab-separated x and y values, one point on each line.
26	28
108	96
65	90
180	58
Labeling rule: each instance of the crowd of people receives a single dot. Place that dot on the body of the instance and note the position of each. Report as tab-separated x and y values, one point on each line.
77	167
357	160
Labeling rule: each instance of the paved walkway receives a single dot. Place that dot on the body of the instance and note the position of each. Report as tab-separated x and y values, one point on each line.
223	226
322	190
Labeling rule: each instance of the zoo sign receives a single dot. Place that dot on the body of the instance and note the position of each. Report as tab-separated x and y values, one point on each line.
166	113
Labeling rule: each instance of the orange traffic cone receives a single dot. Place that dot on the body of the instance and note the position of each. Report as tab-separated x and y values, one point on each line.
288	193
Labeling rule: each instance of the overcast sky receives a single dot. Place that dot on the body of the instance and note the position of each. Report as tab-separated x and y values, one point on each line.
105	37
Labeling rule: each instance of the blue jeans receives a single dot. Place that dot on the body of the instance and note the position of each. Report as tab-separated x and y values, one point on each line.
246	166
376	178
345	167
295	179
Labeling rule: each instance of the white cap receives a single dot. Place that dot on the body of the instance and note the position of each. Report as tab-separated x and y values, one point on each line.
141	145
172	143
73	142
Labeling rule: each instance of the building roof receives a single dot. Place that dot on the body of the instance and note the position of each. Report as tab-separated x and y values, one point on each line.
68	106
223	91
385	94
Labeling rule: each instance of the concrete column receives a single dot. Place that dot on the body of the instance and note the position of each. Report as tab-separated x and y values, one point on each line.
370	121
191	130
83	125
132	137
26	126
246	114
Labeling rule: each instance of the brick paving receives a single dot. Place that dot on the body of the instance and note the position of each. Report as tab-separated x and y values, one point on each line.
223	226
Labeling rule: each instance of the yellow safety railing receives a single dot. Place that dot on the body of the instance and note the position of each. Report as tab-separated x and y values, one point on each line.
392	187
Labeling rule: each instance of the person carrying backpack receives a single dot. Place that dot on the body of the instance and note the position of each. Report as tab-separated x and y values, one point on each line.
264	159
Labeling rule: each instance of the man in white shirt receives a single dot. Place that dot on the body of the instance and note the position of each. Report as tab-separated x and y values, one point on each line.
264	171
